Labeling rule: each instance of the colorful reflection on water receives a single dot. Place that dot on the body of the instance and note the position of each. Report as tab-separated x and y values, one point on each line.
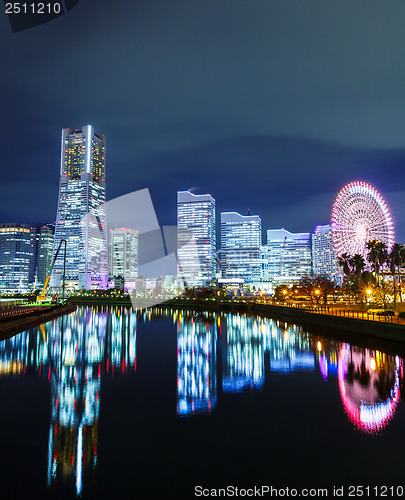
369	385
218	355
74	352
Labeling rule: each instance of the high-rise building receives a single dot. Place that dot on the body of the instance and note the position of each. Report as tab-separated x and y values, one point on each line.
42	248
241	239
195	238
80	218
288	256
324	258
15	257
123	253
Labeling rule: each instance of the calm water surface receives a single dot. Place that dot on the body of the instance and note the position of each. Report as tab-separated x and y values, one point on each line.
109	403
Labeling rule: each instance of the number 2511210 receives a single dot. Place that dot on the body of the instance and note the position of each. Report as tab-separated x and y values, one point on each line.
33	8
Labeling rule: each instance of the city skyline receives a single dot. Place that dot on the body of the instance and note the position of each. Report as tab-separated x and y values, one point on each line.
231	204
242	255
398	229
274	101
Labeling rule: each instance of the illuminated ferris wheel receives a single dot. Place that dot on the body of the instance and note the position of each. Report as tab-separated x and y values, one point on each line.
360	214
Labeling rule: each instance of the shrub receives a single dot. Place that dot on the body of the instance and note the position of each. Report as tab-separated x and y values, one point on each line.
381	312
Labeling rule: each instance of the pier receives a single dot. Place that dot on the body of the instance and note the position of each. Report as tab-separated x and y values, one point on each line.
19	319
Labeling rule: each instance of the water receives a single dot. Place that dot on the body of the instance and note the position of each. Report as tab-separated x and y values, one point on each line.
108	402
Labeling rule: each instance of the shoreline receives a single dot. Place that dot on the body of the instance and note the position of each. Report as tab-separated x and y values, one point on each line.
15	326
345	328
350	328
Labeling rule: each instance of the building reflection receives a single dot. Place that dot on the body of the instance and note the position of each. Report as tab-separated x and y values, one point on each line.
235	353
369	385
217	354
289	350
196	363
74	352
244	354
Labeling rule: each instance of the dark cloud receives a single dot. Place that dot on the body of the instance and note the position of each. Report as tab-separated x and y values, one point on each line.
289	182
269	105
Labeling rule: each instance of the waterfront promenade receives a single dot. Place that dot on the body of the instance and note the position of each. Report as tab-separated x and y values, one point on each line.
336	317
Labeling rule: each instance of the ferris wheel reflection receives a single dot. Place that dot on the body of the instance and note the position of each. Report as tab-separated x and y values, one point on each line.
369	385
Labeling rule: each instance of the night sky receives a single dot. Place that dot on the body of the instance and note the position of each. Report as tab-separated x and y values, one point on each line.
268	105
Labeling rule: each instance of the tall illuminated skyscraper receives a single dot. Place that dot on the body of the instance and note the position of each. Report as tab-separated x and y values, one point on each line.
195	238
80	218
241	239
324	258
15	257
288	256
123	253
42	248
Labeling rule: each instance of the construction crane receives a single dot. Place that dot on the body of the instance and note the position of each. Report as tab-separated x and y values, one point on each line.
280	267
42	296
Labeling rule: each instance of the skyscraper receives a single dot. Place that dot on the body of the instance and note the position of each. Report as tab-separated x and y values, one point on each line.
241	239
288	256
124	253
195	238
80	218
324	257
15	257
42	248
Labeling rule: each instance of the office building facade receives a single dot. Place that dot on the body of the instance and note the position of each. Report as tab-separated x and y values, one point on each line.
287	256
324	258
123	253
241	239
80	218
196	240
42	249
15	257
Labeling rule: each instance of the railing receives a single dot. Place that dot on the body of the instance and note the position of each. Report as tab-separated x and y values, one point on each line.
318	309
345	313
15	312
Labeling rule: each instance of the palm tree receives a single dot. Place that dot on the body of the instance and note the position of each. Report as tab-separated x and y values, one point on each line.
344	263
396	259
372	247
399	274
344	260
358	264
382	253
377	254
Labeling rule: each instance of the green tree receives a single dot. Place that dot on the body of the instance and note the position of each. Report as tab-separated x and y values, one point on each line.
325	286
358	265
377	255
344	260
373	255
344	263
396	260
306	288
281	292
